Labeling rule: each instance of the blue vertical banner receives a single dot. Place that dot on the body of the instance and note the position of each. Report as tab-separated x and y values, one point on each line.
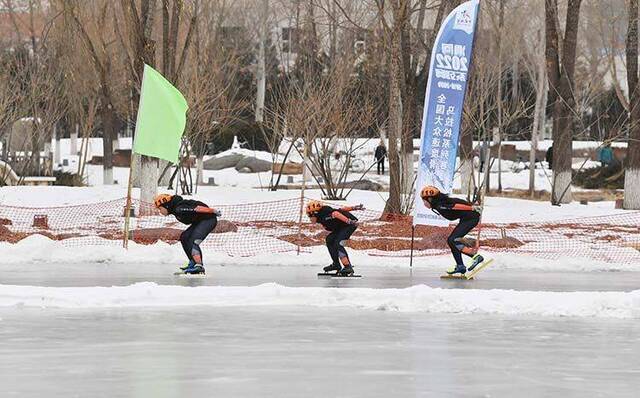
443	105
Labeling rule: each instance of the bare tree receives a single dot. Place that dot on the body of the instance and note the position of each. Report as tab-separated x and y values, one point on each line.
632	176
90	21
8	111
539	115
211	83
327	116
399	11
39	98
606	23
137	38
560	72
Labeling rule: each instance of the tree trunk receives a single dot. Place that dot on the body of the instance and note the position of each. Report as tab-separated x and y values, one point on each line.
499	95
538	120
73	141
409	114
394	203
515	81
57	158
135	163
560	74
164	181
199	171
632	172
141	31
467	184
553	69
108	132
261	74
149	178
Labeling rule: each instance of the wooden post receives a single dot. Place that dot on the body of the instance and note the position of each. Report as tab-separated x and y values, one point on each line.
127	211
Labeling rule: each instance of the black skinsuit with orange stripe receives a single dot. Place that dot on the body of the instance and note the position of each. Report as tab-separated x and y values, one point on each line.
338	221
201	220
456	209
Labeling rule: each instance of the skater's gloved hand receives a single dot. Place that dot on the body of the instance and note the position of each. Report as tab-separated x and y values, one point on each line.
218	213
477	207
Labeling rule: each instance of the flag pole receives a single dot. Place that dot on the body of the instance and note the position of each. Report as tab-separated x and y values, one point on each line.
127	210
304	183
413	232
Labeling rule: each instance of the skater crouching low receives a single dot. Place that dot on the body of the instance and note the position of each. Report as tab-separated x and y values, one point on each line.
454	209
201	220
341	224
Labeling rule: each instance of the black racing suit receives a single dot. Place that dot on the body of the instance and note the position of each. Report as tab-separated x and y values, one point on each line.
336	221
201	221
454	209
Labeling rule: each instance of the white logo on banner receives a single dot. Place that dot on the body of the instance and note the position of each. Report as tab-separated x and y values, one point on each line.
464	21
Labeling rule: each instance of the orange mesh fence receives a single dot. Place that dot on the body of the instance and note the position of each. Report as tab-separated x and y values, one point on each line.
611	238
272	227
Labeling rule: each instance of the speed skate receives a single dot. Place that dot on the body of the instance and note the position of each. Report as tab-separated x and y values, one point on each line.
182	274
469	275
328	275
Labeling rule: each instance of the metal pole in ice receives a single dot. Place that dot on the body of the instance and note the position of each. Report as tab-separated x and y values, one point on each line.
413	233
304	183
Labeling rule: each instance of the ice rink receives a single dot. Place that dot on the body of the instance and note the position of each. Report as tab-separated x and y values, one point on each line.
110	274
310	351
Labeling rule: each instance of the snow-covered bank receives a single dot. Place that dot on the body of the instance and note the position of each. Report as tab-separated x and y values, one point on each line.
40	251
414	299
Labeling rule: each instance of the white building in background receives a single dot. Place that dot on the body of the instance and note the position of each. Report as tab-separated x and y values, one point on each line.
286	39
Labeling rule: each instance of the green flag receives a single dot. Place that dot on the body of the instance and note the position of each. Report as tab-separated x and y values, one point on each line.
161	117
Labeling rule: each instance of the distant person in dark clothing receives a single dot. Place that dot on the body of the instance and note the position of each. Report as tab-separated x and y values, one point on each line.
605	155
483	155
381	153
549	157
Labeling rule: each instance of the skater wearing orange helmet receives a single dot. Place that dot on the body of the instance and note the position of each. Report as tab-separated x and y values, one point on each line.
342	225
201	220
454	209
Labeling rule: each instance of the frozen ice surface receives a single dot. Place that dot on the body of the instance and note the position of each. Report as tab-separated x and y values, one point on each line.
311	352
295	275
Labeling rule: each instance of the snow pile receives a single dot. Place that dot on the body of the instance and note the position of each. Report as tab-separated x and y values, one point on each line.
414	299
250	153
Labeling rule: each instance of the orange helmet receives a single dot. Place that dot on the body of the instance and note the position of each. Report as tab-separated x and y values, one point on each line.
429	191
161	199
313	207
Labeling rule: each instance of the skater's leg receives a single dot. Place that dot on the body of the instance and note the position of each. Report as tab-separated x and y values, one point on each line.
201	230
331	241
185	241
343	236
465	225
332	246
469	223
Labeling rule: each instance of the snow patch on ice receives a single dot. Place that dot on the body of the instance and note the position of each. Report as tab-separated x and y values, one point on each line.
419	298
